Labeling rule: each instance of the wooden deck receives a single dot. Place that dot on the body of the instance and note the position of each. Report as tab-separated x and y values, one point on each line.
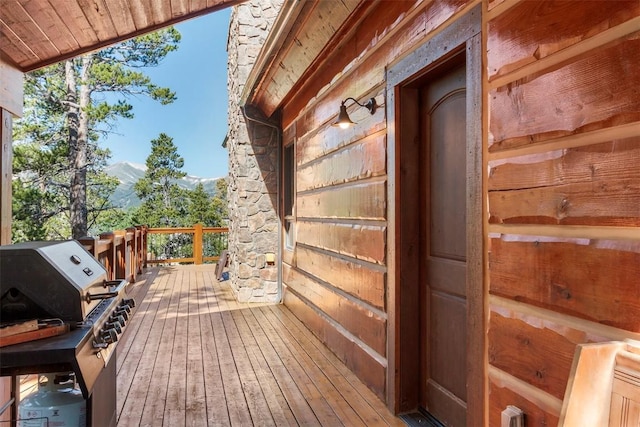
193	356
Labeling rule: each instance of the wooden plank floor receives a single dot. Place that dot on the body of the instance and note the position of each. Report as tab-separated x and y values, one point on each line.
193	356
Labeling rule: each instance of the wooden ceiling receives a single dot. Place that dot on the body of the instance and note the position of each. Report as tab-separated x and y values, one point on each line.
36	33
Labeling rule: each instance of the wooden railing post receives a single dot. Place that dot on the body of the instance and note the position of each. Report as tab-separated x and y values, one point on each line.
145	247
197	244
89	244
131	254
139	248
120	244
110	258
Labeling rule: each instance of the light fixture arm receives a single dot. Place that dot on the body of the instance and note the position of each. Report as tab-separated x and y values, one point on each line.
369	105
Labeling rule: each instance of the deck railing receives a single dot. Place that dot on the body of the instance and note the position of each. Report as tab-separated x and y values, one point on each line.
124	253
195	244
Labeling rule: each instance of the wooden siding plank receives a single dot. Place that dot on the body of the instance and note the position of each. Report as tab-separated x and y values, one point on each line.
533	30
360	241
594	91
314	145
594	162
75	21
358	280
537	352
367	368
365	200
573	276
591	185
358	320
613	202
358	161
501	394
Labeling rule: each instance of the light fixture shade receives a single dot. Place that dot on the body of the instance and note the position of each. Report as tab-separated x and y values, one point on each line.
343	120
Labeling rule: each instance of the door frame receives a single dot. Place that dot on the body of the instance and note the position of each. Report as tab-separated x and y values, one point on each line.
462	38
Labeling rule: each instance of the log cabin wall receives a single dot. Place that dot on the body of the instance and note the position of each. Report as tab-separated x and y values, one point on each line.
335	273
561	151
563	189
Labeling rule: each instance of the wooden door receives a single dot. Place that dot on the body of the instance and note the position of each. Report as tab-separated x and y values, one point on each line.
443	248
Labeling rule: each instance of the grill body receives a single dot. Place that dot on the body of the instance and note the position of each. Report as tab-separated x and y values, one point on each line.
61	280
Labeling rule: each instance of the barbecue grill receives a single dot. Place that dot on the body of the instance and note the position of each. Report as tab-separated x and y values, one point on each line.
61	280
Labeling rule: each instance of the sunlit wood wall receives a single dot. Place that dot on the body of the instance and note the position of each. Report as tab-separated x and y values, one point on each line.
561	158
563	190
336	274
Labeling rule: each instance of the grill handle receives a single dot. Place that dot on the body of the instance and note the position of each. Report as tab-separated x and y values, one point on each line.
104	295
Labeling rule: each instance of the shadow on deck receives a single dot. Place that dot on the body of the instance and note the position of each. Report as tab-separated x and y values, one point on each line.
194	356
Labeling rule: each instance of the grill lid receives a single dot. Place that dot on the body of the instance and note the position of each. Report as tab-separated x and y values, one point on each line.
49	279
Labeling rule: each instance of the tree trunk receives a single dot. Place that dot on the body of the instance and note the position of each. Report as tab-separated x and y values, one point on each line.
78	139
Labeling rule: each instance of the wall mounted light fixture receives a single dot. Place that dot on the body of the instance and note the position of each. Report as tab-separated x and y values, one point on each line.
344	121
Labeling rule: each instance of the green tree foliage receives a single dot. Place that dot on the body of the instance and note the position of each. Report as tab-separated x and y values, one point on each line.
164	203
204	209
68	106
210	211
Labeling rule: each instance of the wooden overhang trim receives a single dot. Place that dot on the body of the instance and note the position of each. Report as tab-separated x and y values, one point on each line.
294	19
48	8
274	44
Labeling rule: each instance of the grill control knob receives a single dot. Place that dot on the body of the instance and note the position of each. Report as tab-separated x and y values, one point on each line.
122	312
129	301
114	325
117	319
109	335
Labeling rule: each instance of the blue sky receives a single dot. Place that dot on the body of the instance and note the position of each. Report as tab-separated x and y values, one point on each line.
197	120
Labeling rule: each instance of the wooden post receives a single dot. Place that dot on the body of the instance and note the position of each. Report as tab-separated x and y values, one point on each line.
131	253
110	261
89	244
121	245
197	244
145	248
11	104
6	157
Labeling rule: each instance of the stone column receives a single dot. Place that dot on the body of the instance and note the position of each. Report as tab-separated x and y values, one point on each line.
253	163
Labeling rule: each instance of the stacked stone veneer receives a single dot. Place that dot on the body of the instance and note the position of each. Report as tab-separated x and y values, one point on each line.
253	163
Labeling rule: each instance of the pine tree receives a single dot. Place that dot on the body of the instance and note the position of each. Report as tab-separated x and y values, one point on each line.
202	209
67	109
164	203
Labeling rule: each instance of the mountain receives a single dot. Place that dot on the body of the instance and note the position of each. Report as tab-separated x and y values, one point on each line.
129	173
